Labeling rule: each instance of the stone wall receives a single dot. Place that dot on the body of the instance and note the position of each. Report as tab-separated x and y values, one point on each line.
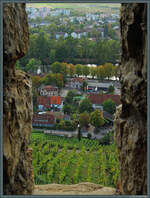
17	104
131	117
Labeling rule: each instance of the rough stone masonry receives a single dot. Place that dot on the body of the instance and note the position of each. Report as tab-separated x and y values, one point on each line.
131	117
17	104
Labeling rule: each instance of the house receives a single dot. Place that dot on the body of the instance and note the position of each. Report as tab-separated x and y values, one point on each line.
56	114
98	99
74	35
43	119
75	83
56	102
63	34
49	102
43	102
49	91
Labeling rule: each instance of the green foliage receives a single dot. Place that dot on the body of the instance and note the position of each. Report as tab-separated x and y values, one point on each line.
84	85
33	65
48	50
84	119
109	105
18	66
78	69
67	161
69	97
107	139
96	118
111	89
85	70
85	105
67	108
56	67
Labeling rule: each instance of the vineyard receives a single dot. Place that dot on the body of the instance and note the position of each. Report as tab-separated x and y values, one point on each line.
64	160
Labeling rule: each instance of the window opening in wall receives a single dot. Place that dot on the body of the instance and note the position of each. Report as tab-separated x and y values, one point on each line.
73	60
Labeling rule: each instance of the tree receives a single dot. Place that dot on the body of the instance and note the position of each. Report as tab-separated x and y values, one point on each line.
59	81
64	69
109	105
67	108
85	70
101	72
108	67
84	85
36	82
52	56
69	97
96	119
33	65
116	71
111	89
71	69
93	72
56	67
85	105
84	119
78	69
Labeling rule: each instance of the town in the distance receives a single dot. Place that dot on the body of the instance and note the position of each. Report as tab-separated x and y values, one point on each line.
73	61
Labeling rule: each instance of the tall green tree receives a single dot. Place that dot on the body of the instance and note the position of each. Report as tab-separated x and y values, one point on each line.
78	69
93	71
84	119
96	119
85	105
109	105
56	67
33	65
85	70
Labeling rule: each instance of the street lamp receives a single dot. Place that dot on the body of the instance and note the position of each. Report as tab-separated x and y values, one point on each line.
79	132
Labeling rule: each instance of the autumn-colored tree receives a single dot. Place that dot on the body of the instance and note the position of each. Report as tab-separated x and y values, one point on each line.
97	119
116	71
84	119
71	69
78	69
93	71
59	81
85	70
36	81
64	69
101	73
108	67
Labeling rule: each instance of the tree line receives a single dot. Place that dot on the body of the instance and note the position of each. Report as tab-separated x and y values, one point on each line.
47	50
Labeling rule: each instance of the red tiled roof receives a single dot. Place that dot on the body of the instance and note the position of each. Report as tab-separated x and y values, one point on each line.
100	98
78	79
48	100
44	100
49	88
55	100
